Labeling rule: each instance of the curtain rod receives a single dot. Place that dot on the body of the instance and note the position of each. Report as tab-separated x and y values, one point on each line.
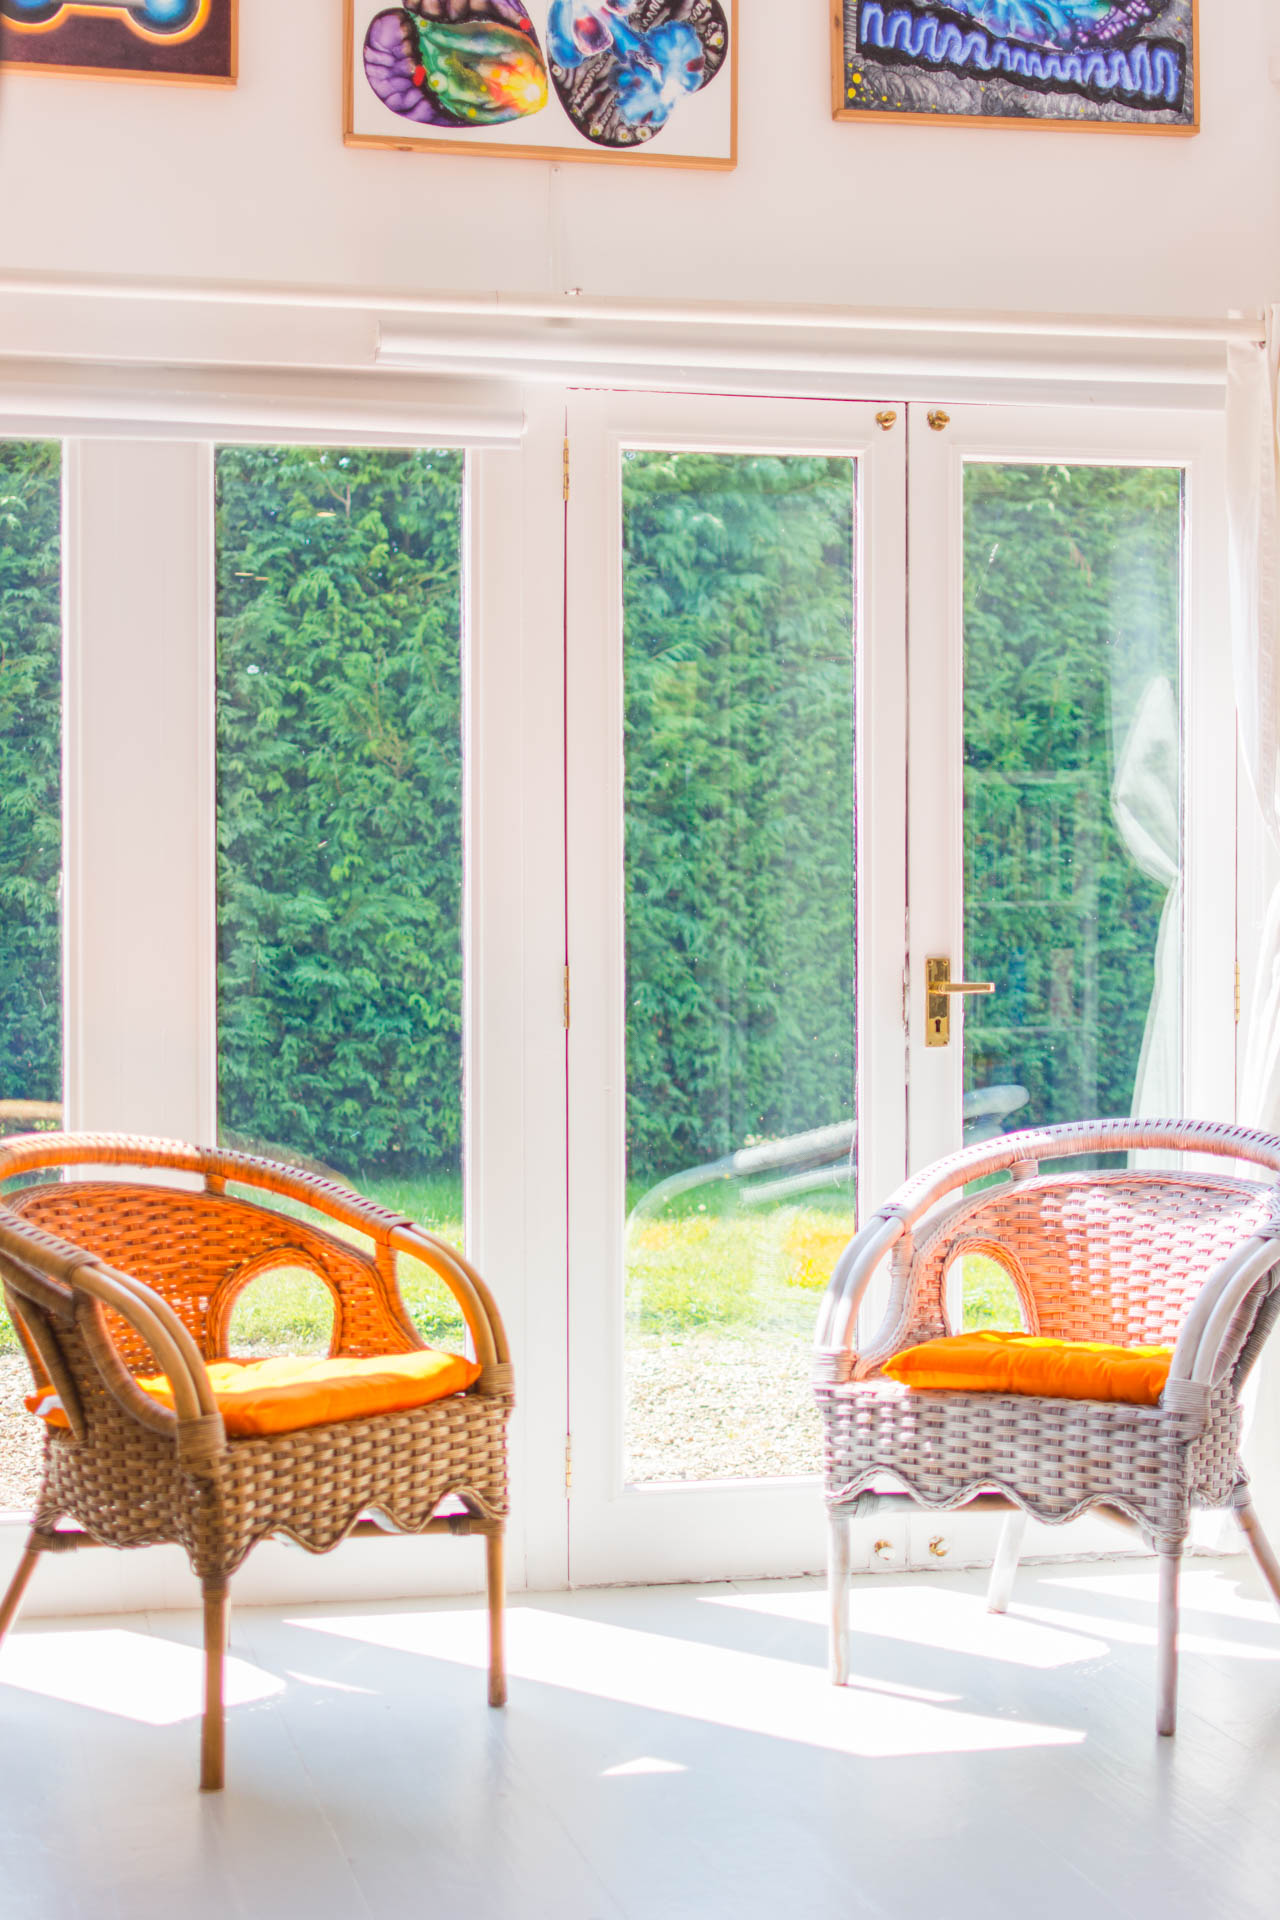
1234	329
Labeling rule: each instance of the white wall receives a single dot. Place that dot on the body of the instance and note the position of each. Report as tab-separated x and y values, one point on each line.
255	184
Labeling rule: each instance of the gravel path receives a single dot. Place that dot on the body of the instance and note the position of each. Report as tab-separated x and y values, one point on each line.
721	1407
711	1408
20	1437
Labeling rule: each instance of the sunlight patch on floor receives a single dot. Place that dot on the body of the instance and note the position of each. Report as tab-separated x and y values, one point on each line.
636	1769
136	1676
1201	1591
954	1622
1135	1633
661	1673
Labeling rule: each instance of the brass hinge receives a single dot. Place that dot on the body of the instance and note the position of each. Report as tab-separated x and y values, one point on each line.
566	467
568	1463
1237	993
566	999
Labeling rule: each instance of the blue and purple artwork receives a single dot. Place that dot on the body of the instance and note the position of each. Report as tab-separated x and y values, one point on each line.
1127	64
568	78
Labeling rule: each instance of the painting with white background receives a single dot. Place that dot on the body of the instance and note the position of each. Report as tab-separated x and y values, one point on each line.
631	81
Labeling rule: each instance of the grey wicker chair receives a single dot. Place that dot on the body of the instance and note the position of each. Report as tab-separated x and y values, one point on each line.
1184	1259
109	1277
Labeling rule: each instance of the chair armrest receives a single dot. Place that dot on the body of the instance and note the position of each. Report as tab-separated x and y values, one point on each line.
1212	1335
854	1272
38	1267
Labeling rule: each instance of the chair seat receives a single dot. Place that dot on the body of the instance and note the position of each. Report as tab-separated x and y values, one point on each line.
287	1394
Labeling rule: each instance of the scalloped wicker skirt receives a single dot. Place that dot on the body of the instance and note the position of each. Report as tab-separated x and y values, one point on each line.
1055	1458
311	1486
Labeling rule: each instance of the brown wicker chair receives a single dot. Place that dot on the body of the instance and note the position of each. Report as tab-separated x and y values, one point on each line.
107	1278
1186	1259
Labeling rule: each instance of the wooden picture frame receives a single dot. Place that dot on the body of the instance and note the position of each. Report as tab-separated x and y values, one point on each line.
702	130
106	40
934	61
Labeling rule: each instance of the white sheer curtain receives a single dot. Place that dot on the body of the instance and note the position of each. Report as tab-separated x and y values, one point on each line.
1253	453
1145	805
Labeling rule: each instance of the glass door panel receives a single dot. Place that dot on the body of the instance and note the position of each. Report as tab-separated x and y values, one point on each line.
340	858
738	624
30	863
1073	858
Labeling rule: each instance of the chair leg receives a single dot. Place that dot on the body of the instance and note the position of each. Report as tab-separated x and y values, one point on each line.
1260	1547
1005	1565
1167	1644
838	1596
18	1586
213	1731
495	1572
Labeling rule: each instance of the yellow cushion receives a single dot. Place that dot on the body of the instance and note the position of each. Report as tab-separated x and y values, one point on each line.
284	1395
1030	1363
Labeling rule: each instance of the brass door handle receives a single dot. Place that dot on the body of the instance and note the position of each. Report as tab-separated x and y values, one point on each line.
939	986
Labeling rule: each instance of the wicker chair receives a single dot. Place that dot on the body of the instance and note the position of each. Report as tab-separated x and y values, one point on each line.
108	1278
1185	1259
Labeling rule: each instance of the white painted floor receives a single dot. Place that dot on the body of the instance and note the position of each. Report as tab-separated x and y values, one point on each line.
668	1754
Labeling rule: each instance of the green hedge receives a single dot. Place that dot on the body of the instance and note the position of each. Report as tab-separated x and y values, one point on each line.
30	771
339	763
339	804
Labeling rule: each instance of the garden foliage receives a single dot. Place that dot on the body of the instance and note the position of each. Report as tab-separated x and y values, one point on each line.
1072	618
30	771
339	793
340	804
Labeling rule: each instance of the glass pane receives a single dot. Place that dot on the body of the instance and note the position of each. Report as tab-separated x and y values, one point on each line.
739	736
30	861
1073	829
340	825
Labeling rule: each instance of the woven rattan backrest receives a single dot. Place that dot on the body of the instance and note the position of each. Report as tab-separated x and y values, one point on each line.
200	1250
1104	1256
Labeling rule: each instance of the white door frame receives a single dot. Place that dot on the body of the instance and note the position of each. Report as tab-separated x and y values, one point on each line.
139	960
139	786
1193	441
714	1529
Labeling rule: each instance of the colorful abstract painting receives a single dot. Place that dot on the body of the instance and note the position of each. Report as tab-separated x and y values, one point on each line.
631	80
144	40
1127	65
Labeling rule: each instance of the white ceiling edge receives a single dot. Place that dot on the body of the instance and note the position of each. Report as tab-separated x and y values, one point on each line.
486	348
576	306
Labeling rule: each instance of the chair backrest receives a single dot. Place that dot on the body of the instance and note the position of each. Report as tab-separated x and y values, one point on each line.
1114	1256
1096	1254
199	1251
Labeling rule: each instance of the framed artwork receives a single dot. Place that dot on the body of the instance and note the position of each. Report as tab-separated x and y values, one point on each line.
634	82
1122	66
191	40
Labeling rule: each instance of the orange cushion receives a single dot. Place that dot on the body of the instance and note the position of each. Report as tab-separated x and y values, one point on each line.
284	1395
1030	1363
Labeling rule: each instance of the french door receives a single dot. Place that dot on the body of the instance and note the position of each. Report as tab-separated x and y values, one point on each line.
735	854
789	806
